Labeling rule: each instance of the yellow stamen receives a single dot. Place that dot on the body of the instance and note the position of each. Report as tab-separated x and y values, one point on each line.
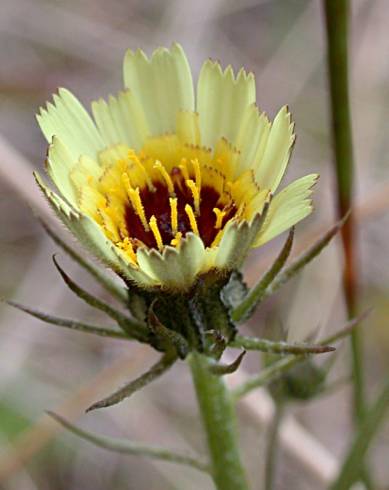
127	246
197	171
113	215
219	217
157	235
184	169
158	165
134	158
173	214
192	219
177	180
137	205
109	225
217	239
126	183
123	231
241	209
195	193
176	240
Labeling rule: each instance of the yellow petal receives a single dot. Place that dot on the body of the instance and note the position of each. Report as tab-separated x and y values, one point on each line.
271	168
162	84
222	100
188	127
121	120
85	229
68	120
236	242
252	138
59	167
288	207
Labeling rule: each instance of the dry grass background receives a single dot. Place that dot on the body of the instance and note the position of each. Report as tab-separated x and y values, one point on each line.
45	44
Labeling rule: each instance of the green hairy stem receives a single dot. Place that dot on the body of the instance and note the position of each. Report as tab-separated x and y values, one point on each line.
218	415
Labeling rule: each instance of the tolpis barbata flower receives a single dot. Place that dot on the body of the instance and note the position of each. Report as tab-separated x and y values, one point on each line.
164	183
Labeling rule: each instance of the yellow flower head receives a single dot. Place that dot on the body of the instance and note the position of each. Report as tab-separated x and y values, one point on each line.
163	186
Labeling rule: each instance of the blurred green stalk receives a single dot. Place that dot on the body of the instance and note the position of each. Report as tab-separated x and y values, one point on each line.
337	20
272	445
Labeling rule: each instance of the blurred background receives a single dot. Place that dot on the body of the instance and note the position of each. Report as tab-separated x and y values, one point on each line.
80	45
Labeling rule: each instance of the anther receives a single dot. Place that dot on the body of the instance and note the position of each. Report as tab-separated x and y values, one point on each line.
197	171
109	224
134	158
176	240
158	165
192	219
157	235
184	169
195	193
126	246
126	182
219	217
241	209
137	205
173	214
217	238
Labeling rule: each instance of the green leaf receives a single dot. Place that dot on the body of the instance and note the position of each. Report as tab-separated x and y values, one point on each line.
127	447
370	424
253	298
131	326
223	369
72	324
264	345
111	286
127	390
305	258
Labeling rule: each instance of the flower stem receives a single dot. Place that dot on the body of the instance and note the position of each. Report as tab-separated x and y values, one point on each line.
218	415
337	16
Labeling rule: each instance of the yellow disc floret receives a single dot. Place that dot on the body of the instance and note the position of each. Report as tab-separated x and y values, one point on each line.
153	197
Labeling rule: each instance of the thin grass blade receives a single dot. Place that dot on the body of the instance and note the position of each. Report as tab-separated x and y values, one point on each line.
351	468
